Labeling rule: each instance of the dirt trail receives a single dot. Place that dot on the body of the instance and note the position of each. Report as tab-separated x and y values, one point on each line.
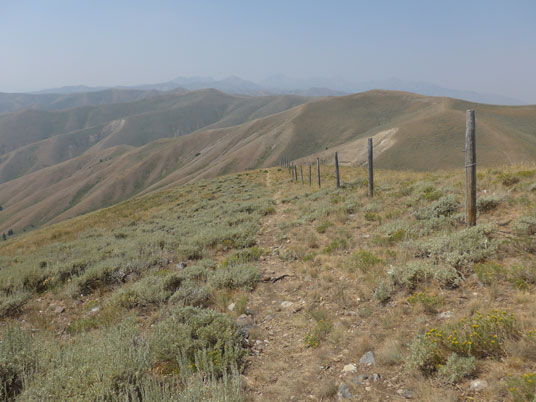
282	367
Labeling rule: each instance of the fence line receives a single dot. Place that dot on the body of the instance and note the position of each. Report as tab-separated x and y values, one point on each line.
470	168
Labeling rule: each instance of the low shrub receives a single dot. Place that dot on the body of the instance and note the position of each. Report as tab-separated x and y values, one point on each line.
363	260
489	272
509	179
410	275
383	292
525	229
18	361
108	272
11	305
336	245
323	227
522	388
488	203
425	190
148	290
191	293
456	369
478	336
318	333
190	332
323	326
522	275
351	207
234	277
444	206
243	256
393	232
372	217
429	302
200	271
525	225
105	367
459	248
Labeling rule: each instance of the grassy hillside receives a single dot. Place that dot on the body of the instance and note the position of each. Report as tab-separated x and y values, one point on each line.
251	286
107	164
121	261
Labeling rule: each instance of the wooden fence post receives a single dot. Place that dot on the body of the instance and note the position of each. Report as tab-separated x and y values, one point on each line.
296	173
337	170
310	170
470	169
318	168
301	172
370	168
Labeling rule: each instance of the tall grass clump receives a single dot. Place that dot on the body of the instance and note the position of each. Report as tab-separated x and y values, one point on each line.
18	361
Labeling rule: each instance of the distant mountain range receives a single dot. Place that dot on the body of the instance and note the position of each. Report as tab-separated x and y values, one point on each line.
280	84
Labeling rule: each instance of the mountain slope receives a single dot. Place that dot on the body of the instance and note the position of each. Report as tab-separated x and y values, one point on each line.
410	132
70	133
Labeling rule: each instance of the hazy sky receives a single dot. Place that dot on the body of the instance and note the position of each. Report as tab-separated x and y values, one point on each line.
487	46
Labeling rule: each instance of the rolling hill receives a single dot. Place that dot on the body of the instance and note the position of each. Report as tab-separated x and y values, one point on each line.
33	139
66	175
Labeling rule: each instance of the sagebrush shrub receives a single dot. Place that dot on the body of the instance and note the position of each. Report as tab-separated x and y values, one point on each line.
486	203
456	369
191	293
459	248
236	276
444	206
410	275
189	331
383	292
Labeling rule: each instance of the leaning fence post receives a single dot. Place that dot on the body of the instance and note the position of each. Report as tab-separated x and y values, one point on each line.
370	168
337	170
310	169
296	173
470	169
318	168
301	173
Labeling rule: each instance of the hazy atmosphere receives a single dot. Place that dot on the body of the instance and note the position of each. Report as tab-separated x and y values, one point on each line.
484	46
